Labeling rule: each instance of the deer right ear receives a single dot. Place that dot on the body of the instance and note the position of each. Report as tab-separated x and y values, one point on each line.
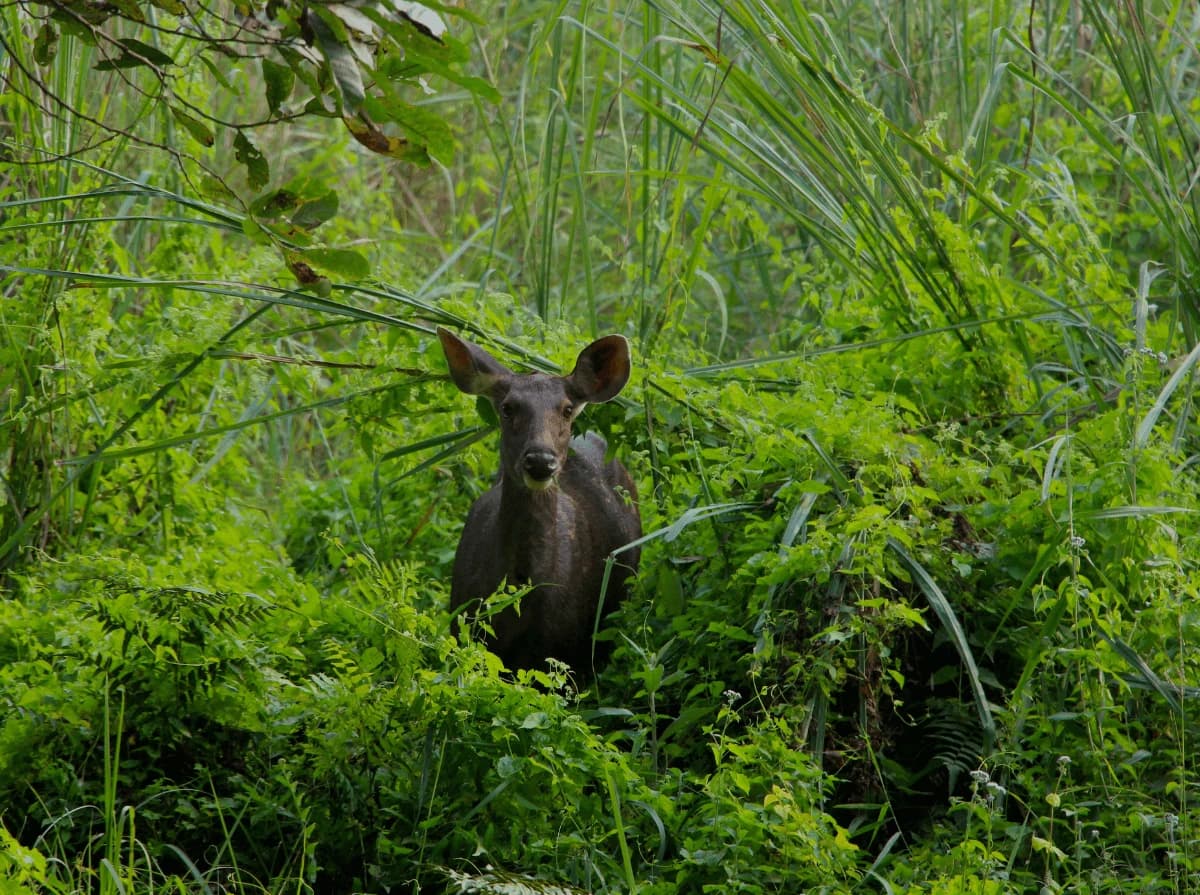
473	370
601	370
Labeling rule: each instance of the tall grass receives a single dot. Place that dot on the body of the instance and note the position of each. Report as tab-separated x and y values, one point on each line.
935	158
28	316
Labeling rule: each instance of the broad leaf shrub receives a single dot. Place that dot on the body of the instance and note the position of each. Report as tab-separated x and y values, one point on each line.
1062	553
342	733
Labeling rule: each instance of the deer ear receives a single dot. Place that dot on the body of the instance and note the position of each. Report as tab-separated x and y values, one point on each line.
601	370
473	370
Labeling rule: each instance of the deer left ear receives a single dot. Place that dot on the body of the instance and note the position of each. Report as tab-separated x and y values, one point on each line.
601	370
473	370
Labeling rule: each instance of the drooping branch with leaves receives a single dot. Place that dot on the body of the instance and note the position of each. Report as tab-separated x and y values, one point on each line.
368	64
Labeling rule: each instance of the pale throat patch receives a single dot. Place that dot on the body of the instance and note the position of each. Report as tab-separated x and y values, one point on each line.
534	485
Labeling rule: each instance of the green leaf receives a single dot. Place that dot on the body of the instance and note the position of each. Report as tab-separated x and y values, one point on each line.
198	129
345	263
406	65
135	53
130	10
313	214
279	79
486	411
305	274
422	17
1141	437
376	140
424	127
274	204
731	632
255	231
341	59
45	45
77	15
215	71
1164	689
320	105
302	67
412	39
414	53
174	7
355	23
258	172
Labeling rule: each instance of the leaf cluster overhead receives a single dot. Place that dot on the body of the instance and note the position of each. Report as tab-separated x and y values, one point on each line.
354	61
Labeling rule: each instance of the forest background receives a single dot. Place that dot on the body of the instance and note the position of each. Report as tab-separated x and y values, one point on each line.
912	291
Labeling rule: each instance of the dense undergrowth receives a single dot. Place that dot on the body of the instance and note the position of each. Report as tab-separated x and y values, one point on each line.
913	307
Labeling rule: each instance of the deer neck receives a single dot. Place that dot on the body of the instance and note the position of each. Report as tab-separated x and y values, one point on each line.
529	528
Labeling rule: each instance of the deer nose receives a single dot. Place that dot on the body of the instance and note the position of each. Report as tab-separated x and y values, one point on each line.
540	465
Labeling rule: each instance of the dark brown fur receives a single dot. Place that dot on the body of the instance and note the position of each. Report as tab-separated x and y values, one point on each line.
557	511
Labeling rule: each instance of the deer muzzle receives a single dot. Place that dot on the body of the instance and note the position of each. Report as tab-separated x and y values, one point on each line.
539	468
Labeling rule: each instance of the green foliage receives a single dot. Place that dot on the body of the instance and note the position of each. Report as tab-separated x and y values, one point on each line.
263	66
341	61
912	424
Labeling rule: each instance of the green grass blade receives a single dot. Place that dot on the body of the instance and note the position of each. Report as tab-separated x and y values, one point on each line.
954	630
1141	436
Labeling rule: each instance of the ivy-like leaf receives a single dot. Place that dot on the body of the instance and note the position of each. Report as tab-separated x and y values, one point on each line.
345	263
279	79
306	275
274	204
313	214
258	172
45	45
200	131
130	10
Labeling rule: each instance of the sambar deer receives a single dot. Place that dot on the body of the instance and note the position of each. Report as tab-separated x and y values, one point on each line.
556	512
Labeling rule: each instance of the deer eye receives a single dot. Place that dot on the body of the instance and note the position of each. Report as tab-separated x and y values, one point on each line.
507	411
568	411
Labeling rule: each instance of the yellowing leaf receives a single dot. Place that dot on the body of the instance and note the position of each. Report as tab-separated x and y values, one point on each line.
198	129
